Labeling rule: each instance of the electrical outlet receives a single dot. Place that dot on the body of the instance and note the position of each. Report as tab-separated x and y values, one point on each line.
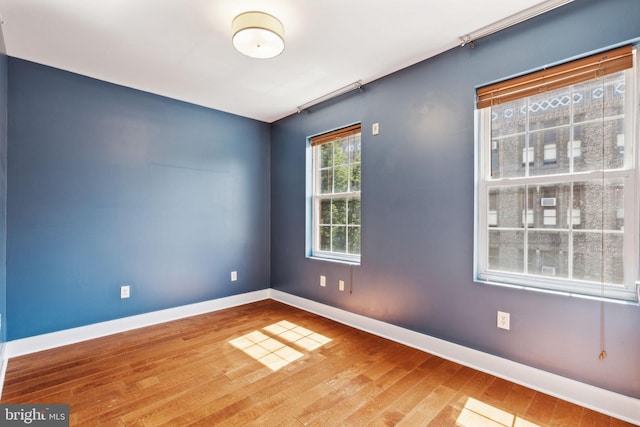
341	285
375	129
125	291
234	276
503	320
323	281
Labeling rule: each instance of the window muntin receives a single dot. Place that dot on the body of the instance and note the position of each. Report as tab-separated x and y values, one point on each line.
556	184
336	195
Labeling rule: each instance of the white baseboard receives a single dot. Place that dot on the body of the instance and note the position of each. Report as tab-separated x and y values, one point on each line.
605	401
83	333
601	400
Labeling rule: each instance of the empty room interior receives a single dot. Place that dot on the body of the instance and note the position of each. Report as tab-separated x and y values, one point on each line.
333	213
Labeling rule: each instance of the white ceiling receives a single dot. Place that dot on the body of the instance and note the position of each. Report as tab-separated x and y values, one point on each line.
182	49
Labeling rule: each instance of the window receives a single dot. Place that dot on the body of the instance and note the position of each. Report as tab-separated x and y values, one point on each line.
336	194
557	178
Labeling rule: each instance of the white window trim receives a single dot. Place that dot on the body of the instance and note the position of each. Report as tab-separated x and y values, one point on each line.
630	290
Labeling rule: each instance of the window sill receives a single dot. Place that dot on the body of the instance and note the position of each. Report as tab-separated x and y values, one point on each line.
560	293
335	260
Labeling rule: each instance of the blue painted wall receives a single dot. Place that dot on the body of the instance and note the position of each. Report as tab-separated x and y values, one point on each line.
417	206
110	186
3	187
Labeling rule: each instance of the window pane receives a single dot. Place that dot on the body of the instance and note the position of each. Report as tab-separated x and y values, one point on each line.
598	257
355	177
354	149
506	205
354	240
548	253
339	210
549	204
325	238
506	250
326	155
325	211
599	140
341	152
509	157
341	184
546	145
600	205
339	238
326	181
600	118
354	211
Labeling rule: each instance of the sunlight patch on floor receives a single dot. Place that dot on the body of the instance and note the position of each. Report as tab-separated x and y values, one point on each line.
298	335
272	352
476	413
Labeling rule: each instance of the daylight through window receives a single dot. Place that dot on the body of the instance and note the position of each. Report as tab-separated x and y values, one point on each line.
336	194
557	179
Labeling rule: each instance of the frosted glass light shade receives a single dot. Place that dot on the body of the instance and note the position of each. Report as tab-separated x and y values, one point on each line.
258	35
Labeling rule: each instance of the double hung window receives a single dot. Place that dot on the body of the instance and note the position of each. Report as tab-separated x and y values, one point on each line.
336	194
557	178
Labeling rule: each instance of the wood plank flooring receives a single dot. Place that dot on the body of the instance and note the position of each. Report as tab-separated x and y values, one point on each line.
268	364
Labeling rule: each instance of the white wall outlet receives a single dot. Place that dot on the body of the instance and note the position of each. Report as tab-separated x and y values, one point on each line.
125	291
234	276
503	320
323	281
341	285
375	129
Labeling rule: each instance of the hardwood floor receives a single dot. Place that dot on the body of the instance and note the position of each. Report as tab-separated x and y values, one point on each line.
268	364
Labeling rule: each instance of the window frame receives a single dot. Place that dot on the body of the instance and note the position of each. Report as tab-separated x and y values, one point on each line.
484	146
315	197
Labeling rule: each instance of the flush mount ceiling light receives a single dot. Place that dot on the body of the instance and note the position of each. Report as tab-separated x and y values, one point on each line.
258	35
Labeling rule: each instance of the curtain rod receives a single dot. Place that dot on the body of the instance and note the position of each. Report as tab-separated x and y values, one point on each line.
514	19
341	91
